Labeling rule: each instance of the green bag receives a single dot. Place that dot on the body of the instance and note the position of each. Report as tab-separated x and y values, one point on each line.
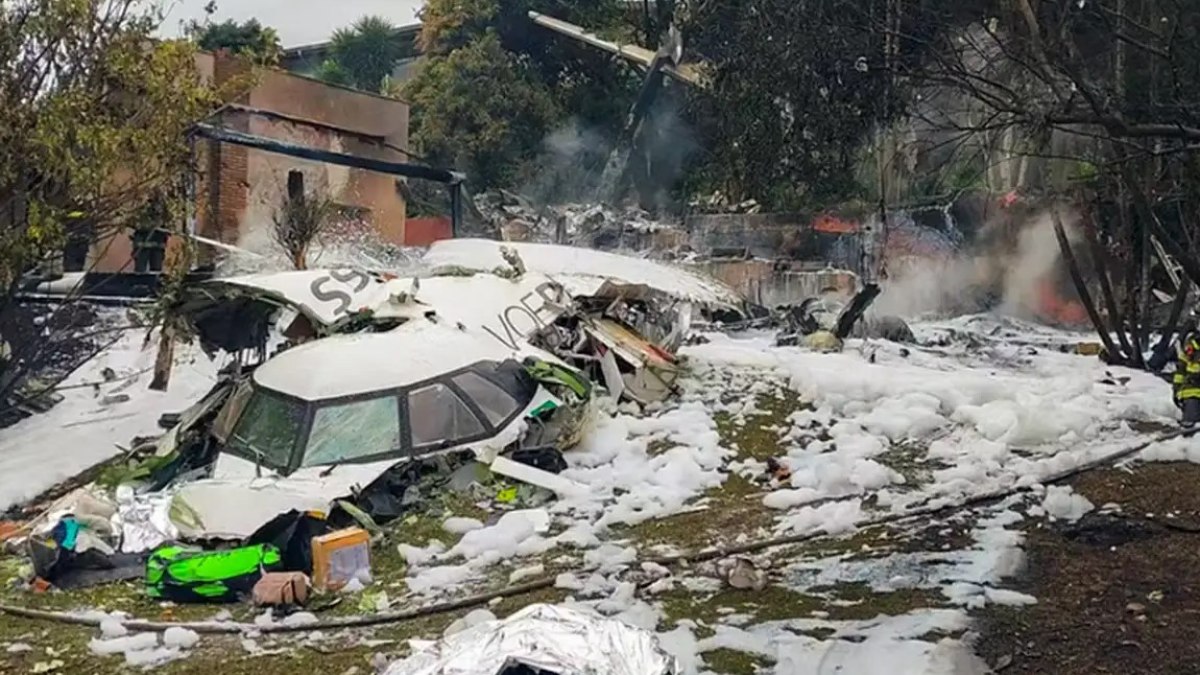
184	574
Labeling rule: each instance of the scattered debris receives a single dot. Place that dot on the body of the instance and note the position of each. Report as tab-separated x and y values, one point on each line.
741	573
282	589
823	323
516	219
341	557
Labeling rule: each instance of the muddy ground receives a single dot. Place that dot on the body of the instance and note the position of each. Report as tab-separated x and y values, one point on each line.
1117	592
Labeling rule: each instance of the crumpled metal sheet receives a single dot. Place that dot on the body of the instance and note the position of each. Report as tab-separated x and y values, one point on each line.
549	637
145	520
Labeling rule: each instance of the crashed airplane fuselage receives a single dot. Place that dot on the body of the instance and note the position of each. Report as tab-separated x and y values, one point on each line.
331	418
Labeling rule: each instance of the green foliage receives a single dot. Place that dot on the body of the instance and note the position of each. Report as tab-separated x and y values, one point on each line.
94	114
474	49
367	52
299	223
250	40
793	97
481	110
331	71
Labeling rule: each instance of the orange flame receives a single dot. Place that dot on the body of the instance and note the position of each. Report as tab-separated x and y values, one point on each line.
1054	308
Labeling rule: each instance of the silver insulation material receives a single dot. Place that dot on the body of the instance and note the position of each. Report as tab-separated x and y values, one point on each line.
547	637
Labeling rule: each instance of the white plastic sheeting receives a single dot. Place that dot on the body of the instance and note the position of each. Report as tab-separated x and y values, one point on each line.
548	637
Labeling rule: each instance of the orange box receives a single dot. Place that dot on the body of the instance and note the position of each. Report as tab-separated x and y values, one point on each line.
339	557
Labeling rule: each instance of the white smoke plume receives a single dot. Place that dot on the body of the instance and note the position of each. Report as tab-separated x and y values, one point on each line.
1004	272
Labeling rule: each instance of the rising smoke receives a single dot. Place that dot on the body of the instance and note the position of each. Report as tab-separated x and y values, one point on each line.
565	171
1006	270
579	163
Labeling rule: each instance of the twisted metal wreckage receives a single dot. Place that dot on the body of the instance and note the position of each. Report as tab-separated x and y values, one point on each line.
354	393
350	388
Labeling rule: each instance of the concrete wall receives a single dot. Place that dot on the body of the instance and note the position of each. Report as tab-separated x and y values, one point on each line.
770	283
760	235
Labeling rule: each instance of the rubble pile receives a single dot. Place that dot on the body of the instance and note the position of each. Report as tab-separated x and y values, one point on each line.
516	218
719	202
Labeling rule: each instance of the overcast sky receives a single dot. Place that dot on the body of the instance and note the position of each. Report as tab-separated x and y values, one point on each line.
298	22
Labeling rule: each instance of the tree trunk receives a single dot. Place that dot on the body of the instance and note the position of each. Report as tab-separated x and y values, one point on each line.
1100	263
1080	287
166	357
1173	320
300	258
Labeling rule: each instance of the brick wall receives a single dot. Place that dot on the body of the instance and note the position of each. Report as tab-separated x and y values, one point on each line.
239	190
767	283
343	117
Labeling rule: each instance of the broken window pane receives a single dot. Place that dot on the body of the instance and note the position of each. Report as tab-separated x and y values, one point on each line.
436	414
268	429
497	405
343	433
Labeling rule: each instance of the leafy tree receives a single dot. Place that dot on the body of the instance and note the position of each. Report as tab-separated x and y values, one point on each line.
249	39
793	97
481	110
331	71
94	114
367	52
556	80
300	222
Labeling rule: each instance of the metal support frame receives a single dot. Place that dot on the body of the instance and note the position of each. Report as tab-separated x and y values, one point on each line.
452	179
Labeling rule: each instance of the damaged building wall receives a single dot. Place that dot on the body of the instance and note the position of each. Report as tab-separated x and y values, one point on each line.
770	283
239	190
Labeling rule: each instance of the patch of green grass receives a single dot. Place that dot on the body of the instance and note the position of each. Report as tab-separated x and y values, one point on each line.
910	459
865	543
871	603
732	662
548	596
418	529
224	653
659	445
734	508
758	436
773	603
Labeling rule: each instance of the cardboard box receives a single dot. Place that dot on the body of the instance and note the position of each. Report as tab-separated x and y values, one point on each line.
339	557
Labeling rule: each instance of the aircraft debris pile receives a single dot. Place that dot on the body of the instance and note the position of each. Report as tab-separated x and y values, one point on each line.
823	323
516	218
356	398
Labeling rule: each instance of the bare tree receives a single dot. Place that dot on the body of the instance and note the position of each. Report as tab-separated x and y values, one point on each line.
301	220
1094	102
